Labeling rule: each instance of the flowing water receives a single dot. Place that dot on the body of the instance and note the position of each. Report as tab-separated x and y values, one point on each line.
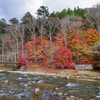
15	86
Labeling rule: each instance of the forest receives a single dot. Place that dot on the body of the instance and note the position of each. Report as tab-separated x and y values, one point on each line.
54	39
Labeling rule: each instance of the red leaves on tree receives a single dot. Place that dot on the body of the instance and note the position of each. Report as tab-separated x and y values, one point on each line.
25	59
63	57
22	61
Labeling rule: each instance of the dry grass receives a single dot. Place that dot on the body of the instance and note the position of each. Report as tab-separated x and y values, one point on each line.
69	72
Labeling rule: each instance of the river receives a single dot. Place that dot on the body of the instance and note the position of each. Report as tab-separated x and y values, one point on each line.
14	86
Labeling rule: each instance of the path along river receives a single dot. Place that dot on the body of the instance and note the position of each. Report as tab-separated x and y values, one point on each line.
16	86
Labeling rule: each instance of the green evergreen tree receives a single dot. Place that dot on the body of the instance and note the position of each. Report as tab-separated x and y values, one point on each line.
14	21
2	26
43	11
26	18
69	11
79	12
53	14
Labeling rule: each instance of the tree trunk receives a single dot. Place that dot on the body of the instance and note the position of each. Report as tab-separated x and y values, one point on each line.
65	39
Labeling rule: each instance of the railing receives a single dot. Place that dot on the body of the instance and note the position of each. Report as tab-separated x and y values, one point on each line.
11	58
9	62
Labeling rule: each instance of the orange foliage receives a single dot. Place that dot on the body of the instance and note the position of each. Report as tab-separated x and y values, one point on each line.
91	36
86	61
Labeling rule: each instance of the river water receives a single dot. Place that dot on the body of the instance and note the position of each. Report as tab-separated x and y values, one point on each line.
15	86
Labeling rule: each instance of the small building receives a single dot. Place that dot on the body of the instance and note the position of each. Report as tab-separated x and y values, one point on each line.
83	67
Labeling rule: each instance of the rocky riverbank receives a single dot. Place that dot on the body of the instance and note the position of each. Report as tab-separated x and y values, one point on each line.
56	85
68	74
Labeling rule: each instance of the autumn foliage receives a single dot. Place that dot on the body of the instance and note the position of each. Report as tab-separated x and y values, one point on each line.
54	53
63	57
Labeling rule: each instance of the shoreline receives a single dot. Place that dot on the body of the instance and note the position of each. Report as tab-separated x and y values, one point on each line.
74	76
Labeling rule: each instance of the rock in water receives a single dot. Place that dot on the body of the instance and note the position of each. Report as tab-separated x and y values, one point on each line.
40	81
56	88
60	94
67	77
20	78
6	81
37	90
5	71
98	97
54	77
25	85
65	94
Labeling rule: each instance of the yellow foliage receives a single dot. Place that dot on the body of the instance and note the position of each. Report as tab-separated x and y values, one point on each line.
92	36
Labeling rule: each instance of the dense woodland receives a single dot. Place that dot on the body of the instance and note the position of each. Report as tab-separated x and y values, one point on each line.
54	39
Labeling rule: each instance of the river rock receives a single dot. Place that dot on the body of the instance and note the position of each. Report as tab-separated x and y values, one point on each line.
29	83
3	78
25	74
60	94
61	76
50	78
11	92
47	76
33	82
25	85
67	98
6	81
71	84
56	89
20	78
77	76
5	71
71	96
54	77
2	74
45	96
99	93
54	93
1	91
29	78
21	84
4	94
37	90
65	94
98	97
40	81
84	77
67	77
98	77
20	95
